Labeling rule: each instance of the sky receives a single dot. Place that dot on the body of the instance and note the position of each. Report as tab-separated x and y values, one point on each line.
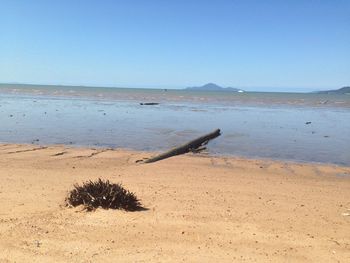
290	45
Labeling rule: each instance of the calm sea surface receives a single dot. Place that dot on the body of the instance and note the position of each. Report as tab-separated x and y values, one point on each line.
265	125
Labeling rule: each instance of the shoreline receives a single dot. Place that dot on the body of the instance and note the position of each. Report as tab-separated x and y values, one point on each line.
283	133
199	208
199	155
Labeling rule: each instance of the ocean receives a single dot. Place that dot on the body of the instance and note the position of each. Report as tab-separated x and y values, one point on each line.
306	127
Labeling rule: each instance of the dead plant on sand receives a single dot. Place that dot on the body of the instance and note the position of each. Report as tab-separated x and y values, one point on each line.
102	193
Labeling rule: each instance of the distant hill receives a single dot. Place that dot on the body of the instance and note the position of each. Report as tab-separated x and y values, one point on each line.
344	90
213	87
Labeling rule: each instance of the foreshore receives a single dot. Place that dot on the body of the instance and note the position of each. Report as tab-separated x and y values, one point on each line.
198	208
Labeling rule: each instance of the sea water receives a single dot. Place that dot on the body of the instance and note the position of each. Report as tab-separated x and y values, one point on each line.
299	127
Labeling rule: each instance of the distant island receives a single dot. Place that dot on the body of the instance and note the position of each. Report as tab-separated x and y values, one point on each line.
213	87
343	90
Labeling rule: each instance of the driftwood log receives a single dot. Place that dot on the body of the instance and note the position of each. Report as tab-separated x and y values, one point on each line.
149	103
194	145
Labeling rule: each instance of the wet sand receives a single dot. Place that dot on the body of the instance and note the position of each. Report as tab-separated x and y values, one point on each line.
200	209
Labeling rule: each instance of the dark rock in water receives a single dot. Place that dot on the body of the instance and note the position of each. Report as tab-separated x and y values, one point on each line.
149	103
35	140
10	115
308	122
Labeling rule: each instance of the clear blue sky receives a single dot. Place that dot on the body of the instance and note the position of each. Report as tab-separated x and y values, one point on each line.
285	45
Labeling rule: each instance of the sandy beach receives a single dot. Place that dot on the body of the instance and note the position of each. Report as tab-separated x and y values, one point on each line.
199	208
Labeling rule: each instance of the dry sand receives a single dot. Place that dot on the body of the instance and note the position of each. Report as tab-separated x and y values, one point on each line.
200	209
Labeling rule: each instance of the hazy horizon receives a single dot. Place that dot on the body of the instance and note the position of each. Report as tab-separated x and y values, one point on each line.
249	89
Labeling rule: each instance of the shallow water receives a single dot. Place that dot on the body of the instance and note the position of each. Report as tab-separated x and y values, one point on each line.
264	131
179	96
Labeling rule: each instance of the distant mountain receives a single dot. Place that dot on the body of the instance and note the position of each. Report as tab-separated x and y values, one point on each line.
343	90
213	87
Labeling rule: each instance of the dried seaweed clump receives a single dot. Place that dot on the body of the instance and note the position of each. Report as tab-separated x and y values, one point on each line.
100	193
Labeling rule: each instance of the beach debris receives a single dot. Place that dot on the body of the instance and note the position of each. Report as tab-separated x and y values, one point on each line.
308	122
102	193
37	243
59	153
195	145
149	103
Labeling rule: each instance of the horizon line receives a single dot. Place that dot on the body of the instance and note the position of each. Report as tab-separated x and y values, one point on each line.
251	88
